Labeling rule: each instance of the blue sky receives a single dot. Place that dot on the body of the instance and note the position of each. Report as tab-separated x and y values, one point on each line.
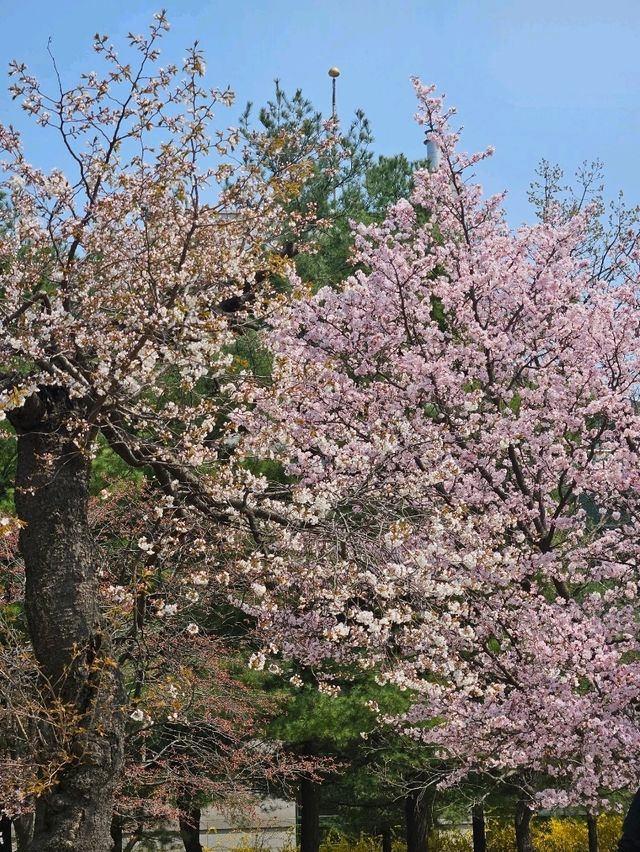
552	78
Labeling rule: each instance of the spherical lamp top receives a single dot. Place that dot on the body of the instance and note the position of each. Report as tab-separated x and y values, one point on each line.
334	72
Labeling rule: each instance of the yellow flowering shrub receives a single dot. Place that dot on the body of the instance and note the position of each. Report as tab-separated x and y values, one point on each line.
336	842
450	841
609	831
571	835
552	835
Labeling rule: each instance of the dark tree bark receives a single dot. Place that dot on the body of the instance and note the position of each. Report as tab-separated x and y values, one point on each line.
592	827
5	833
479	829
79	681
23	831
387	840
117	834
309	816
418	812
524	839
189	821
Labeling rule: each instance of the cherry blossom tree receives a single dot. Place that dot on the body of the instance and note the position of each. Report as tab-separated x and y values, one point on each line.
123	284
460	424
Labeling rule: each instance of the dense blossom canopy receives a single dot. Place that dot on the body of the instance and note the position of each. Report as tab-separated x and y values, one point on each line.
461	426
125	283
123	280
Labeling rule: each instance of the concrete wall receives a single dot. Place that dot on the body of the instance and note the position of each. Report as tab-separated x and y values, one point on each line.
270	828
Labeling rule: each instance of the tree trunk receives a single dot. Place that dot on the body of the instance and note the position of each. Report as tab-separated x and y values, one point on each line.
524	840
81	688
479	829
592	826
189	820
310	816
116	833
23	831
418	807
5	833
387	840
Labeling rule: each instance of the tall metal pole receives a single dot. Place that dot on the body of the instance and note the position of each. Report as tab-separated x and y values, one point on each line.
334	73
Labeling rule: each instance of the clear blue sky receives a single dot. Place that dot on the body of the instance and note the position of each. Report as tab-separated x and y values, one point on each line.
536	78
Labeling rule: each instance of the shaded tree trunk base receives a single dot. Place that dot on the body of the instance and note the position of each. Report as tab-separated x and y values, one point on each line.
23	830
418	811
479	829
524	839
309	816
117	834
189	821
592	827
5	834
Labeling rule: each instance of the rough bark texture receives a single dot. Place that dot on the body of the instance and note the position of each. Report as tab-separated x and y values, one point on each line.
79	683
524	840
592	826
23	831
189	821
310	816
479	829
418	807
